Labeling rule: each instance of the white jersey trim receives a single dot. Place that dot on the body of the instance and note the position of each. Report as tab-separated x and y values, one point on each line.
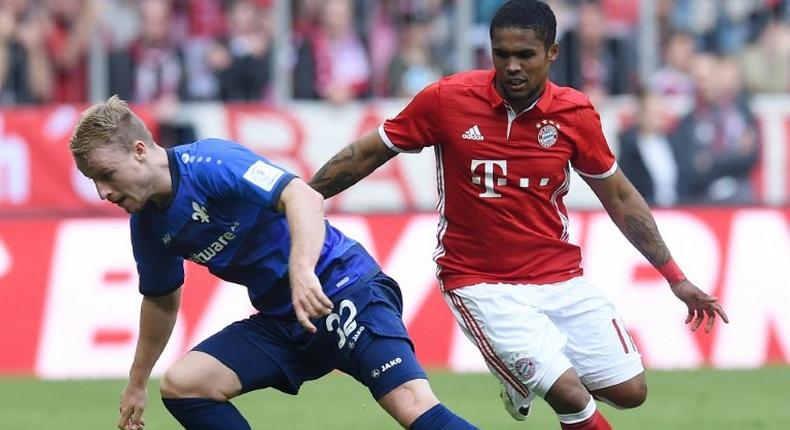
603	175
441	228
557	195
392	146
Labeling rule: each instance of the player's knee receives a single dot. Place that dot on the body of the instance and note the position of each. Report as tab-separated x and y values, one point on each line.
409	400
626	396
567	395
633	396
178	382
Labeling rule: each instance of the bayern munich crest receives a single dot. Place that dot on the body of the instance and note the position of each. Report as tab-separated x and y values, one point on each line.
548	132
525	366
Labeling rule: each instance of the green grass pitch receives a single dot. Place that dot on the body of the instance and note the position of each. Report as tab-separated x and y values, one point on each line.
698	400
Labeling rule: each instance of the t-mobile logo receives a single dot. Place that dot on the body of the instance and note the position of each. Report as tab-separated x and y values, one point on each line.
489	172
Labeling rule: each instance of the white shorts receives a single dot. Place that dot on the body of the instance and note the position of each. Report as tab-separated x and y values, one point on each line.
529	334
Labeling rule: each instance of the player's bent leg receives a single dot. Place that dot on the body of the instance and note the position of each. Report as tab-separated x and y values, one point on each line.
389	368
625	395
198	374
567	394
415	407
196	390
575	407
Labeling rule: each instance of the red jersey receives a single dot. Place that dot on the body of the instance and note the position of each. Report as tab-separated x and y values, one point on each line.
502	176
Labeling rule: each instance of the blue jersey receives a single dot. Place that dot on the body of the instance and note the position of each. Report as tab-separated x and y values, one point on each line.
223	216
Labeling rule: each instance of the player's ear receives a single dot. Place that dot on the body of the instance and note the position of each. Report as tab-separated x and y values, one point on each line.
140	150
553	52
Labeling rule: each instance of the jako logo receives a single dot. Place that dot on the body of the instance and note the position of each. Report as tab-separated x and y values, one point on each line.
375	373
392	363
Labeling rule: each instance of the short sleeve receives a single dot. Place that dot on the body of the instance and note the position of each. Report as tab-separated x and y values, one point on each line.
240	173
593	157
417	125
160	272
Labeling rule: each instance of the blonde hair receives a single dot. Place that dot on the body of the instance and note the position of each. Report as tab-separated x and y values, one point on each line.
108	123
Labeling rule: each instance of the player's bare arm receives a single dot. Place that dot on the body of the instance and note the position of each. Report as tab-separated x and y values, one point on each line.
304	208
632	215
157	319
351	164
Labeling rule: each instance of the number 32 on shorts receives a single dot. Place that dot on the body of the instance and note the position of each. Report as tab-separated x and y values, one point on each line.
344	330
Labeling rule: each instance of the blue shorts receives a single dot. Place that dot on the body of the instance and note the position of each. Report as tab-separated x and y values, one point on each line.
363	337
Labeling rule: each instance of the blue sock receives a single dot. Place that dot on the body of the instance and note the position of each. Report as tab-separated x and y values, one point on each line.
440	418
205	414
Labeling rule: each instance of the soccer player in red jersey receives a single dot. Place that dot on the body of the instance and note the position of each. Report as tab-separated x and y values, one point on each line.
505	140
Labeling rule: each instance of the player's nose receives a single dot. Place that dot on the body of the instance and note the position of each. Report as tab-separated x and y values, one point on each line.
103	189
513	65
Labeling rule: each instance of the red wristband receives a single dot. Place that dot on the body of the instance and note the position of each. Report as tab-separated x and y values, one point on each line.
672	272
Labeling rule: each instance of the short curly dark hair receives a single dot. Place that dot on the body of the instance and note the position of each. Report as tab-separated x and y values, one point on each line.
532	15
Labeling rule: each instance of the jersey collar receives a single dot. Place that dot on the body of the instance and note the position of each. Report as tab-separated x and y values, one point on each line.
175	177
543	102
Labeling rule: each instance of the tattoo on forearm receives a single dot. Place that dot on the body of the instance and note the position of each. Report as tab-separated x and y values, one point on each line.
345	169
642	232
336	174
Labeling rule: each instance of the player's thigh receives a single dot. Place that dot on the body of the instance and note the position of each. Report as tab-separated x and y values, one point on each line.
520	344
198	374
259	352
598	345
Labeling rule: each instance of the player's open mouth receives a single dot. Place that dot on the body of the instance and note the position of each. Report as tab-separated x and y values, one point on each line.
516	84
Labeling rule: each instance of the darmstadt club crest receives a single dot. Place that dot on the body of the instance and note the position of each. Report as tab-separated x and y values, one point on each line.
548	131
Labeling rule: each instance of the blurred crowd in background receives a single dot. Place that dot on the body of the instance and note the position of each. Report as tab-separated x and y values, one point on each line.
161	52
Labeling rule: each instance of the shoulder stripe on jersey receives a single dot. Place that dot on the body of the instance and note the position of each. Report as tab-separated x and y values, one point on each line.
392	146
603	175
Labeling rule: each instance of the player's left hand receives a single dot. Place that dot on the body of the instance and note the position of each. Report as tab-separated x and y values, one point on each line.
699	305
308	298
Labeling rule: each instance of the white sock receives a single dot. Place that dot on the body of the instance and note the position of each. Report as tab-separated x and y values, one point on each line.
580	416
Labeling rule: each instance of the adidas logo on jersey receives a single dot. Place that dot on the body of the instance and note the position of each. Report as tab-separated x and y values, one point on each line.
473	134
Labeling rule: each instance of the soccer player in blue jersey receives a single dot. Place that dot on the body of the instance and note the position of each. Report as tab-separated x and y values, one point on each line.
323	302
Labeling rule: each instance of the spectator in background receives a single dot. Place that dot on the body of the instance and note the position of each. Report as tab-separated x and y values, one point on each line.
25	70
205	23
242	59
646	154
590	60
413	67
622	16
719	26
305	17
383	38
333	64
151	71
158	72
68	39
766	63
717	143
674	75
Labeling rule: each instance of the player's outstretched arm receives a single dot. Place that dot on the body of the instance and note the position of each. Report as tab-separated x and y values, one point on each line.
304	208
632	215
351	164
157	318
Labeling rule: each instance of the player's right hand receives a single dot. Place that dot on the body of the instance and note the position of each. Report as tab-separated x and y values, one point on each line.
308	299
133	402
